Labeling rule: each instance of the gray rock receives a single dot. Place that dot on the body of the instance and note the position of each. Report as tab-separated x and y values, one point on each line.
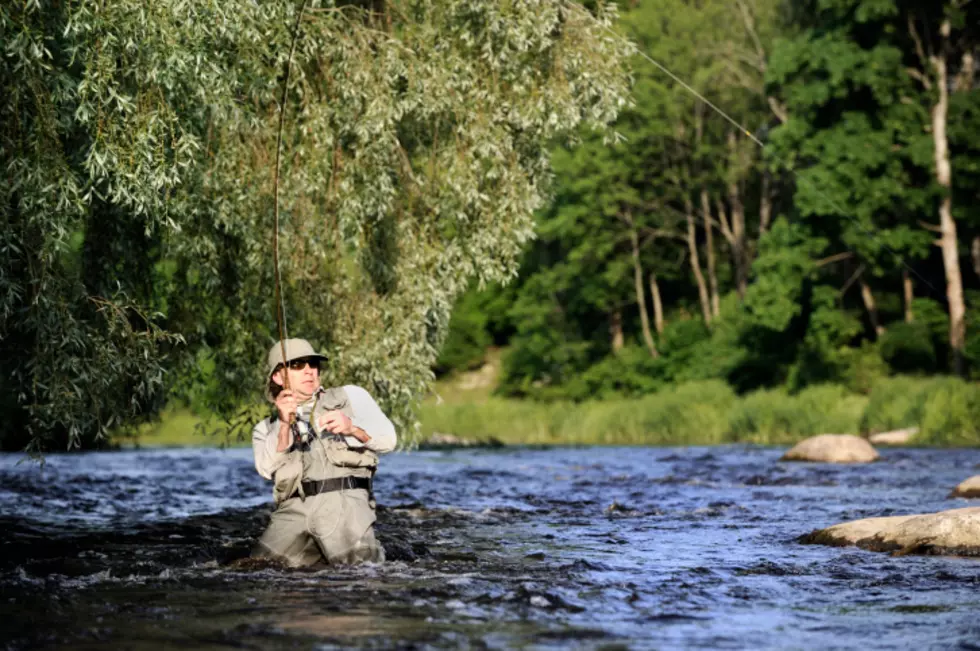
967	488
832	448
949	533
896	437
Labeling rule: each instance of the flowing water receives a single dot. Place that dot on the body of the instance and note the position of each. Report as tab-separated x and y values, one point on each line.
593	548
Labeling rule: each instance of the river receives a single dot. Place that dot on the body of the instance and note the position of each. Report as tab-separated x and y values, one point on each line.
591	548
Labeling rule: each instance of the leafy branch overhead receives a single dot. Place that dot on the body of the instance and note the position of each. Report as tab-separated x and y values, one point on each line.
138	142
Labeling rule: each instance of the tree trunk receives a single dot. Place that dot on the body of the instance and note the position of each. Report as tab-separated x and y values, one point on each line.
692	248
710	246
658	305
616	330
640	295
907	288
944	176
871	307
739	254
975	254
765	203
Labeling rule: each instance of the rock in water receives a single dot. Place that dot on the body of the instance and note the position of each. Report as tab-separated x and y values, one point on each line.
968	488
955	532
897	437
832	448
852	533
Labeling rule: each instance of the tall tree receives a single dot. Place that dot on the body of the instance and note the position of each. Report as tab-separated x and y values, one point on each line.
945	37
868	131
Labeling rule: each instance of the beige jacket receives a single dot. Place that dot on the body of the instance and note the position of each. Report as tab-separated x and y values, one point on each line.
325	456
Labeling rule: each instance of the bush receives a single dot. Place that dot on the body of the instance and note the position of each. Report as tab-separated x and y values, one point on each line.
776	417
908	348
705	413
896	403
690	414
695	413
951	414
862	368
630	373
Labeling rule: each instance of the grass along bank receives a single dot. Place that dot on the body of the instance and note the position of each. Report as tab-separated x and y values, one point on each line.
177	427
947	411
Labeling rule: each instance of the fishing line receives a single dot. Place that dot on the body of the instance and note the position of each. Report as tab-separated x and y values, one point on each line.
280	302
787	166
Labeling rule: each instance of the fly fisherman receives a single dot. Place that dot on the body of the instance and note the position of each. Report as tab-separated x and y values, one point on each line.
321	451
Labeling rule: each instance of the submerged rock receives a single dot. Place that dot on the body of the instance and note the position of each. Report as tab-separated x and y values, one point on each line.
896	437
968	488
443	441
832	448
947	533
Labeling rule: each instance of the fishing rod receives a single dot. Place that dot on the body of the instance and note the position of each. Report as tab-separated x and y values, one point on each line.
280	303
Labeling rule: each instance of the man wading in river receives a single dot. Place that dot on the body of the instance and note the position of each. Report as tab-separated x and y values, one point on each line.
321	452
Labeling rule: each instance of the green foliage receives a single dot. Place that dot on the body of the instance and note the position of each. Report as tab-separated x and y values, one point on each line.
693	413
897	403
138	142
944	409
951	414
468	339
776	417
786	260
863	368
908	348
824	355
479	320
629	373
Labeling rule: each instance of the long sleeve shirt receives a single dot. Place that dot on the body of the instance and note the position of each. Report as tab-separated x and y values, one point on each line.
367	416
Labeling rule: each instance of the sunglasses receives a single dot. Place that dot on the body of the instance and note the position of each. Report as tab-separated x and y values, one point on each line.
300	364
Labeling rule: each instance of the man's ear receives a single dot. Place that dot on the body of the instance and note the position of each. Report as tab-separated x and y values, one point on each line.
277	377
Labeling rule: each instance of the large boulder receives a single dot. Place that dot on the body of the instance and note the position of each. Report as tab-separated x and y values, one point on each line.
948	533
832	448
968	488
896	437
852	533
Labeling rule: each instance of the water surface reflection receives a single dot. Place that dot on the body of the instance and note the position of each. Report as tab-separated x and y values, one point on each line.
569	547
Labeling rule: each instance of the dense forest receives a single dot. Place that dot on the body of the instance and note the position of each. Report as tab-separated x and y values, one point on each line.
543	171
824	229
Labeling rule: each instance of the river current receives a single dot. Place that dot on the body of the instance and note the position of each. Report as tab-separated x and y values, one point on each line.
591	548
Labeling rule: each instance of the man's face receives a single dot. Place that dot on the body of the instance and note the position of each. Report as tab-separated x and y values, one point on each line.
304	376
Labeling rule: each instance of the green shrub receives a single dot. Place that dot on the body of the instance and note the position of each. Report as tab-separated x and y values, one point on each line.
908	348
897	403
862	368
631	372
506	420
694	413
951	414
777	417
689	414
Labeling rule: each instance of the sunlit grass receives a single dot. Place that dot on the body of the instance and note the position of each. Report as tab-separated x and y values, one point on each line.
698	413
177	427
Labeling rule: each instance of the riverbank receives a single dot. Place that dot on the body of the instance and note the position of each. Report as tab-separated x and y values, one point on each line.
946	412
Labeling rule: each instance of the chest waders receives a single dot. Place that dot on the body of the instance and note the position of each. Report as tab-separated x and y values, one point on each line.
324	497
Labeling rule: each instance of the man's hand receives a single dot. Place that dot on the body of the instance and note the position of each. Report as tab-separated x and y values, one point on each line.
337	422
286	404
